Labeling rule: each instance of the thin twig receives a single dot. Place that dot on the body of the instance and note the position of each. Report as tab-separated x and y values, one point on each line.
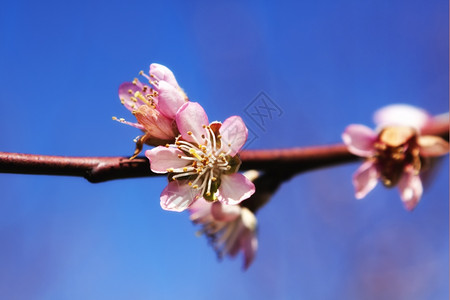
283	162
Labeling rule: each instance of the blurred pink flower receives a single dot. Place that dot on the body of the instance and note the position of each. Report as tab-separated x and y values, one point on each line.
395	153
229	228
203	162
154	106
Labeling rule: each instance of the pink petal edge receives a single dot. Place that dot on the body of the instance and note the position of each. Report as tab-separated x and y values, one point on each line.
431	146
365	179
170	99
225	213
234	134
410	188
163	73
191	117
235	188
162	158
402	115
125	96
360	140
177	196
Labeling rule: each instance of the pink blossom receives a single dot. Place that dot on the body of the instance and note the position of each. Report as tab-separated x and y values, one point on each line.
230	228
154	106
395	153
402	115
203	162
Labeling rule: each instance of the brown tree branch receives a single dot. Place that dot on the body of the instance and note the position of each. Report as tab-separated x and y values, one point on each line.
282	162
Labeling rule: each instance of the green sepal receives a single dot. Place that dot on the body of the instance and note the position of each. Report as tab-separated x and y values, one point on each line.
234	162
214	188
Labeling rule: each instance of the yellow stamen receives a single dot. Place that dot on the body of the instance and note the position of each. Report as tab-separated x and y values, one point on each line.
195	154
139	95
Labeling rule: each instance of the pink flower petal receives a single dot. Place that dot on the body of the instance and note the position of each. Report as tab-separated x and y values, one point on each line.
162	73
432	145
249	244
126	91
244	237
234	188
200	211
177	196
410	187
365	179
155	123
359	140
225	213
162	158
230	237
170	99
402	115
191	117
233	241
234	134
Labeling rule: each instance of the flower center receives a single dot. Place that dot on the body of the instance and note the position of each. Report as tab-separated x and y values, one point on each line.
207	161
397	149
146	95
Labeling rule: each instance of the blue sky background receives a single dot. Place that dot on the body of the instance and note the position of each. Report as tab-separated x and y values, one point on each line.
326	64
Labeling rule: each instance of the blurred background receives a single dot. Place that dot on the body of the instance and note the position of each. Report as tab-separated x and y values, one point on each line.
325	64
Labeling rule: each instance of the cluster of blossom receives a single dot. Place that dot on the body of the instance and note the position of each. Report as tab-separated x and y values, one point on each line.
202	158
395	153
